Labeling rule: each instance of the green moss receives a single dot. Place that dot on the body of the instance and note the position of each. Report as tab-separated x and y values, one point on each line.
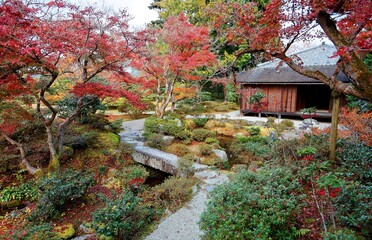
107	140
65	231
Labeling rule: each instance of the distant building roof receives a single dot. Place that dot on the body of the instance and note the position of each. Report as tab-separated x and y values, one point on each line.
315	58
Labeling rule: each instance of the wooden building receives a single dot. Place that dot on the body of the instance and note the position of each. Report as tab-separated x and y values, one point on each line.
287	91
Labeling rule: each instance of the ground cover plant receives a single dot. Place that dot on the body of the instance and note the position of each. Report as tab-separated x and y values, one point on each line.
327	200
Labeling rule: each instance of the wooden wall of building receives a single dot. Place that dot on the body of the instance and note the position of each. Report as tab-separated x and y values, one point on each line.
281	98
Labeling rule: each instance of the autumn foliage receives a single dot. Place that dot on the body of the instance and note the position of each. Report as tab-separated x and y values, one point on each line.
272	29
356	125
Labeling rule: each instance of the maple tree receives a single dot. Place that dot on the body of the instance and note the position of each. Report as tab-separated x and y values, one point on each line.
37	38
176	53
272	29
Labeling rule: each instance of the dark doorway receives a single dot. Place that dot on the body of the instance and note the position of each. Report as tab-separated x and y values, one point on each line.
313	96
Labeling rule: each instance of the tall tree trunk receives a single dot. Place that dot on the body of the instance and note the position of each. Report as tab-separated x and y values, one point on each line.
30	169
334	125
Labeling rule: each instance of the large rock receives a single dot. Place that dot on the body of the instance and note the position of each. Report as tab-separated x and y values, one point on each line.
221	154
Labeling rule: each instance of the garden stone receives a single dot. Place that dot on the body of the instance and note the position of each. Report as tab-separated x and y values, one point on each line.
309	121
221	154
178	122
206	174
168	140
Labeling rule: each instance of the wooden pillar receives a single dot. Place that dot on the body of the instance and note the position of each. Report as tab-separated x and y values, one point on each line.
334	124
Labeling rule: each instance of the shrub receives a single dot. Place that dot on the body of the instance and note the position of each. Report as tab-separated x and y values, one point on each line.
231	93
212	141
42	231
353	207
170	127
260	205
185	165
171	194
179	149
25	191
155	141
287	123
356	159
57	190
121	218
201	134
151	125
189	124
205	149
204	96
200	122
254	131
221	108
97	121
199	108
117	125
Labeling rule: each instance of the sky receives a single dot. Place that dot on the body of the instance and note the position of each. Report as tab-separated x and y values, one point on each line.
137	8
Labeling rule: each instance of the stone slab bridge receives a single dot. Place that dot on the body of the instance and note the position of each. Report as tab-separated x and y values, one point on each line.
157	159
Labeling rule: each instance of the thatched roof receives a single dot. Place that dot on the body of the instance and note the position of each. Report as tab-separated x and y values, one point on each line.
316	58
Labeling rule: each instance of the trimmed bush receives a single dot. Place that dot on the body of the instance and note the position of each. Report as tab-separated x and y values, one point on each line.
178	149
205	149
59	189
185	165
254	131
201	134
171	194
155	141
200	122
261	205
121	218
151	125
212	141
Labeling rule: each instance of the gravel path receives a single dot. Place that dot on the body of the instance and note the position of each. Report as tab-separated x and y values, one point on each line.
182	225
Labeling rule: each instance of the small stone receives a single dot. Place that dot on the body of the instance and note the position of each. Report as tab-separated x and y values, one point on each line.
310	121
168	140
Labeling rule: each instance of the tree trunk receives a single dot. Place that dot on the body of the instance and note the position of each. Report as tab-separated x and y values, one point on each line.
334	125
54	164
30	169
173	106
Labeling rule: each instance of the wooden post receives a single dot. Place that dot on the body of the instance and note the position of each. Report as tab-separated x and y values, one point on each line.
334	124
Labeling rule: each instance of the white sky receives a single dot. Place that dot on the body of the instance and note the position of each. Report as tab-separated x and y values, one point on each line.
136	8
